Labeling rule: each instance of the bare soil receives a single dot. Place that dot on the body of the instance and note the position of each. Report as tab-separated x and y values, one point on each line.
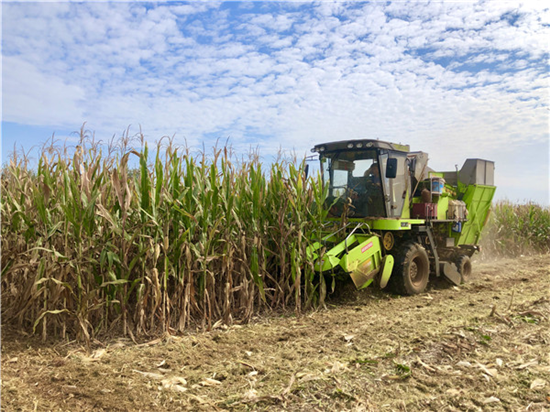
482	346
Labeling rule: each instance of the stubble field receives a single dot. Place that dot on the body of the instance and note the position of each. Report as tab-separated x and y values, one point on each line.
482	346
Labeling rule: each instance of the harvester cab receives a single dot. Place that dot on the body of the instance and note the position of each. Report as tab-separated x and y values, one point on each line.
396	220
373	174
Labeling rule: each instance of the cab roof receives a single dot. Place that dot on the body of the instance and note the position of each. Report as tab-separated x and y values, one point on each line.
359	144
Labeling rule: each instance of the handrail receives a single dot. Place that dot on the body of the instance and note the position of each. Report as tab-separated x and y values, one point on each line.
352	232
339	230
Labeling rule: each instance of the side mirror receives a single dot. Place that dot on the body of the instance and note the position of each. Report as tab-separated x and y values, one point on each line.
391	168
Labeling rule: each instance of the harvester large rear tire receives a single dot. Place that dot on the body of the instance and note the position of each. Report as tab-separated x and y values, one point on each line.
464	267
412	270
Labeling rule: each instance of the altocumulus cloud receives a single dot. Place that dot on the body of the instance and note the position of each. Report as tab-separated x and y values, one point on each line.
454	79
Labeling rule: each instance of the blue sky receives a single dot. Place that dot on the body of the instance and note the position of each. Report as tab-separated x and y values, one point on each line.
456	80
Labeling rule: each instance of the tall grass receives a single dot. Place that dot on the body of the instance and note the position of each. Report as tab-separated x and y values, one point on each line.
516	229
90	245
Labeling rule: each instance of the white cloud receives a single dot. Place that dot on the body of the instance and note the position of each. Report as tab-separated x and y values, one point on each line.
32	97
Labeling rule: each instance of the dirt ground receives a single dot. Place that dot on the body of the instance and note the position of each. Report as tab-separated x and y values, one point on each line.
483	346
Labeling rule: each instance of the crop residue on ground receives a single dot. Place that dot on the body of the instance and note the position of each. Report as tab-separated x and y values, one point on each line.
481	346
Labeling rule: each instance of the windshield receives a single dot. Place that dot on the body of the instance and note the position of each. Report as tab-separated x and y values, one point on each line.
354	183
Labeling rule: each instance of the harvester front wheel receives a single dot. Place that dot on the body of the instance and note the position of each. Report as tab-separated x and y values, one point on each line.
464	267
412	270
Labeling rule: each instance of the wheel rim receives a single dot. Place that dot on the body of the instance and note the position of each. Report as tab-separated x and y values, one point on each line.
413	272
388	240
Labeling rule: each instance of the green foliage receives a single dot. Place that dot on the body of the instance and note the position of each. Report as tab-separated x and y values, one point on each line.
515	229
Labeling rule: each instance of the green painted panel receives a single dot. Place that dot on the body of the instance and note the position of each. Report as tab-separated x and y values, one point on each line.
478	200
332	257
395	224
368	248
387	263
350	253
442	206
406	213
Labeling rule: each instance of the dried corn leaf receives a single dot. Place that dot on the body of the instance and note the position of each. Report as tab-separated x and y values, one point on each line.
538	384
150	375
210	382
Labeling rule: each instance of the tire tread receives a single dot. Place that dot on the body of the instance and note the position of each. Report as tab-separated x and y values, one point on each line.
397	281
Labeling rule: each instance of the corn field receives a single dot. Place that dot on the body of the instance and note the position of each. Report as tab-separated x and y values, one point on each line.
91	246
515	229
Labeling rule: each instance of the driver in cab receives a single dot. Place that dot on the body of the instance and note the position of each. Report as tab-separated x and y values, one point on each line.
375	204
373	175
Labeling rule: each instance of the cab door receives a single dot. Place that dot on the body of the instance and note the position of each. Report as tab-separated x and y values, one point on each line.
395	189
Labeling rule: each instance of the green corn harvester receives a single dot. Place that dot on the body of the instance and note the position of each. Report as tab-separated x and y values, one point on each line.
393	221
